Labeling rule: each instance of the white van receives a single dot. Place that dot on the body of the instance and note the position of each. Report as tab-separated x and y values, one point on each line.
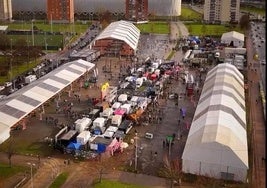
30	79
139	82
217	54
149	135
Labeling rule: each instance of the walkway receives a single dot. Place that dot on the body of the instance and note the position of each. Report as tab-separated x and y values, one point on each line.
256	120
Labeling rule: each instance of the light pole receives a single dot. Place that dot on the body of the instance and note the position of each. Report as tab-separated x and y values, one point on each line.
32	34
31	164
136	149
51	22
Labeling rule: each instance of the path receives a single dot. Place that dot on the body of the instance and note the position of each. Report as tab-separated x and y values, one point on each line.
256	120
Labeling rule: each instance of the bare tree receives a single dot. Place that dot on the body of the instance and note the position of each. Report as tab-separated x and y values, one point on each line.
10	151
171	170
244	22
4	42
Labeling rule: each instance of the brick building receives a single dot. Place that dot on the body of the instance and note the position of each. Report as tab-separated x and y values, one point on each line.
136	10
60	11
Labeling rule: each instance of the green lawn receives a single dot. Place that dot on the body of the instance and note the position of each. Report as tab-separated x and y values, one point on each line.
60	180
254	10
189	14
40	40
18	70
115	184
154	27
6	171
77	27
214	30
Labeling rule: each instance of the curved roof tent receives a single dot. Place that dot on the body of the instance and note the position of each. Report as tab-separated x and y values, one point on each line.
217	140
21	103
122	30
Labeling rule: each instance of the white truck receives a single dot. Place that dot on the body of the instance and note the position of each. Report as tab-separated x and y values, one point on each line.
107	113
99	125
30	79
82	124
127	108
83	137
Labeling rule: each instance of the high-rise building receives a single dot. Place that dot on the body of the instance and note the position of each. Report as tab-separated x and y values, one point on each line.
60	11
221	11
137	10
5	10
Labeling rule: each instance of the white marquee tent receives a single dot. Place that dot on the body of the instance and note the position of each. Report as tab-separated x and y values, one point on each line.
122	30
238	39
21	103
217	141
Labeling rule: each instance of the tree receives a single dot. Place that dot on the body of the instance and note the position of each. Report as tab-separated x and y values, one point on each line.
105	18
4	42
20	43
10	151
171	170
244	22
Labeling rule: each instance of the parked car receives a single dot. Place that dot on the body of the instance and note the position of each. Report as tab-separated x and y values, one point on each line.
12	90
8	84
2	88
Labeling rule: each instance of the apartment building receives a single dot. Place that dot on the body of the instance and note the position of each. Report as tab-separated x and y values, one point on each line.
5	10
221	11
60	11
136	10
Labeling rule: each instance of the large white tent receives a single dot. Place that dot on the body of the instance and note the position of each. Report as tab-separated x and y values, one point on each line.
122	30
21	103
217	141
238	39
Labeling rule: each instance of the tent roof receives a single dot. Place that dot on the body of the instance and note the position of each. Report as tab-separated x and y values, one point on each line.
19	104
3	27
219	122
122	30
233	34
74	145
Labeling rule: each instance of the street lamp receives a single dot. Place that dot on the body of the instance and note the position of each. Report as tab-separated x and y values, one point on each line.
136	149
31	164
32	34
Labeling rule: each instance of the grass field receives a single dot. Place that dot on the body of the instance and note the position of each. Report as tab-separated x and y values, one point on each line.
114	184
59	181
76	27
189	14
213	30
7	171
154	27
40	40
254	10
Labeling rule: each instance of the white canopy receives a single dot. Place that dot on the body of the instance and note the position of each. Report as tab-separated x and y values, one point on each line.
237	38
217	140
122	30
19	104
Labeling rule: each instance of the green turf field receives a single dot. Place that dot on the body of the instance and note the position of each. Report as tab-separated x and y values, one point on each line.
154	27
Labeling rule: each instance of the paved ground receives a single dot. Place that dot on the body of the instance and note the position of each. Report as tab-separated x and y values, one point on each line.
83	173
257	120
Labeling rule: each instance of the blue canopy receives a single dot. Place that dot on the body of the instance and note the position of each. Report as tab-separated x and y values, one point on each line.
74	145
